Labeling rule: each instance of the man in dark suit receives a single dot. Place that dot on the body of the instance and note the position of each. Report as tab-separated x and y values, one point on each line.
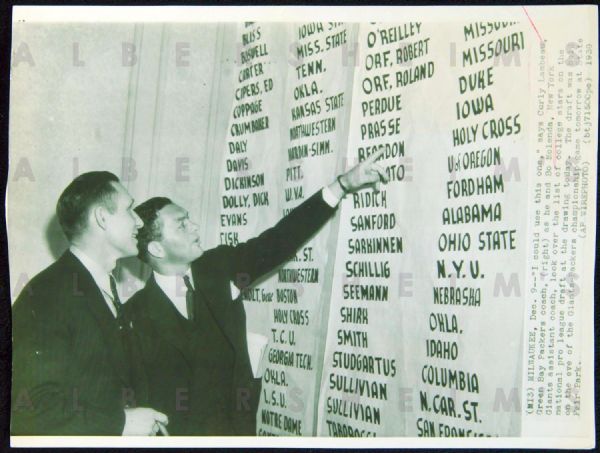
72	372
189	318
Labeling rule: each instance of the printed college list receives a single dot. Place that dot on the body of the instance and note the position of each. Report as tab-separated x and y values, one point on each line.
406	317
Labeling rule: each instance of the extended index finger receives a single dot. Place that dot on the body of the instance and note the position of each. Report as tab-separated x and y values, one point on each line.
373	157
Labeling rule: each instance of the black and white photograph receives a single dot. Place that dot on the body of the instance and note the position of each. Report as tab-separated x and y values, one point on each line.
354	226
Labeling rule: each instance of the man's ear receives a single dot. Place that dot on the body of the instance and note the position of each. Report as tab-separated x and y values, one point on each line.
99	215
156	250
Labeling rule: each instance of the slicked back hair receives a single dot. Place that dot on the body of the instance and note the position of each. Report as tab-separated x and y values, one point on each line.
85	191
151	231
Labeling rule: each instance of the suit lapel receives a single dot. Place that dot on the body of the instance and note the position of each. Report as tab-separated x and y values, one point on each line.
166	318
207	289
85	287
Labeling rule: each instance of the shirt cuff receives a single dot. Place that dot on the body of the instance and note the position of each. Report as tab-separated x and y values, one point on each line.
329	197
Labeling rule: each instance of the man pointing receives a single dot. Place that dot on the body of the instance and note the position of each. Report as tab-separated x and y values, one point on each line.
189	318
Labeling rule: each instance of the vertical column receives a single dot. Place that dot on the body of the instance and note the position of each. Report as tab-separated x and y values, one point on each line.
469	379
249	163
315	98
249	183
361	387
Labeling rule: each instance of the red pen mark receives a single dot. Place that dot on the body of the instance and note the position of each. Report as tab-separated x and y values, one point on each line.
532	24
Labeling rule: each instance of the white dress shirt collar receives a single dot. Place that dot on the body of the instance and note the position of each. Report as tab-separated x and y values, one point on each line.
100	276
174	288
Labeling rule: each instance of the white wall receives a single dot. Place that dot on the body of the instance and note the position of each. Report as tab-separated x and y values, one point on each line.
75	113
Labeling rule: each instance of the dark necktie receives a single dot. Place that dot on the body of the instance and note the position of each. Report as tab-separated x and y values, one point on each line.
189	297
116	301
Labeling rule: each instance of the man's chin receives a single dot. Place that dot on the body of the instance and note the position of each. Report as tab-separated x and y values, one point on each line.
198	252
130	251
